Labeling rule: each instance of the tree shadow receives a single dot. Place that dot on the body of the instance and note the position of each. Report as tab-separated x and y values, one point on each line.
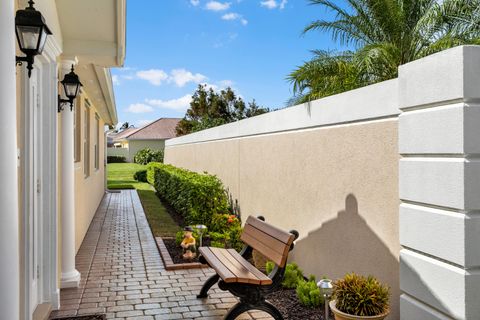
347	244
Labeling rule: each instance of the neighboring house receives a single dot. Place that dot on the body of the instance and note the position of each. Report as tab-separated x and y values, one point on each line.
128	142
52	162
118	139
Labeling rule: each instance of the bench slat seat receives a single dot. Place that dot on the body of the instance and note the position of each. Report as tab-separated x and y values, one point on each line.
232	267
235	274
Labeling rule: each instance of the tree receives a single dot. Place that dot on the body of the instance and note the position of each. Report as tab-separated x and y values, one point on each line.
210	109
125	126
384	35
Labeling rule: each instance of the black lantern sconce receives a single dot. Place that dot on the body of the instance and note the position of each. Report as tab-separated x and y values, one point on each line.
32	33
71	86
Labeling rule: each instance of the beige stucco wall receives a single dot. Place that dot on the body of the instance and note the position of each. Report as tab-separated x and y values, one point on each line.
336	185
136	145
89	190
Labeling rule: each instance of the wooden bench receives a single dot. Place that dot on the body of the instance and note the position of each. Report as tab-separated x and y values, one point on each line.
235	274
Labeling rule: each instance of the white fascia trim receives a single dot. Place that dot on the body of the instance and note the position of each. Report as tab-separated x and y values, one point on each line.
377	101
121	9
106	85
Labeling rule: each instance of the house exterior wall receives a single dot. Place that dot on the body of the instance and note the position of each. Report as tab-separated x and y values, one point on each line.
309	168
32	126
136	145
89	190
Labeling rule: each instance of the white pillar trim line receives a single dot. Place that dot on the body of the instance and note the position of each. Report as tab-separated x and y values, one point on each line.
70	276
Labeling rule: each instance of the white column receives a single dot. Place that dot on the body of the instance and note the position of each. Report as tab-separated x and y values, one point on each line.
70	276
439	140
9	237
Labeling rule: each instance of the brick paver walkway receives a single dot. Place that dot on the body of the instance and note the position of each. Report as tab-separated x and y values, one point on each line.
124	277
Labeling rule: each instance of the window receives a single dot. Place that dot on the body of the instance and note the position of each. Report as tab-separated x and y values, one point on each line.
77	133
86	140
97	142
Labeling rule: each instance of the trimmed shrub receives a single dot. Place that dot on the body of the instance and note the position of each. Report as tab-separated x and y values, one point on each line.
140	175
197	197
116	159
361	296
147	155
308	293
293	274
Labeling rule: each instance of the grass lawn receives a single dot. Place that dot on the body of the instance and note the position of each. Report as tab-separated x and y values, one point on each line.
120	176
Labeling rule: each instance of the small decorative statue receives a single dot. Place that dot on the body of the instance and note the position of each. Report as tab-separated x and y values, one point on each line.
188	244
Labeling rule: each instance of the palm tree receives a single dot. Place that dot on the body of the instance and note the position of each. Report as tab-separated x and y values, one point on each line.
384	35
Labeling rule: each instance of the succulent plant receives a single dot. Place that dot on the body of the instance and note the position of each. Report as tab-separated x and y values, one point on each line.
361	296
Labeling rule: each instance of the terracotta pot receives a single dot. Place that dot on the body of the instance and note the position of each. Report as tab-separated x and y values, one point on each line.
339	315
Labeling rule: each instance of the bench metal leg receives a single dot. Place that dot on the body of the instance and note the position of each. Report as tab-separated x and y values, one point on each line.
242	307
207	285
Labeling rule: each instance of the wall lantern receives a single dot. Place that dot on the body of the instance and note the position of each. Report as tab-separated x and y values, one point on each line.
32	33
71	86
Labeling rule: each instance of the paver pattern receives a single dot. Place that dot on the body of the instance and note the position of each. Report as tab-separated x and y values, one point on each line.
124	277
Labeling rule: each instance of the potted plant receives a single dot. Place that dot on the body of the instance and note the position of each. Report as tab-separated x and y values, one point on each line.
357	297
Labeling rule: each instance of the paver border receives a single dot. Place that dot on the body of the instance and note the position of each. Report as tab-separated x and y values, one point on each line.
168	261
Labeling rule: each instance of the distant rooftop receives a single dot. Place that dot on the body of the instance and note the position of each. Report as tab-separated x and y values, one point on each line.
161	129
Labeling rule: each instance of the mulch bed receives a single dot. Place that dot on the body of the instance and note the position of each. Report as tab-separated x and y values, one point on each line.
176	251
287	302
91	317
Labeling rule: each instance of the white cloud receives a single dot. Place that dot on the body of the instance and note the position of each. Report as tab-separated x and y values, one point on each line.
235	16
154	76
273	4
230	16
139	108
180	104
115	80
181	77
195	2
217	6
226	83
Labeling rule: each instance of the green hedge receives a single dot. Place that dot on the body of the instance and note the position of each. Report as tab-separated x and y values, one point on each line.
197	197
116	159
140	175
147	155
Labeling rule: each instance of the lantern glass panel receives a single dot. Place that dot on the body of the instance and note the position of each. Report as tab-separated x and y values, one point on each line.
71	89
43	39
28	36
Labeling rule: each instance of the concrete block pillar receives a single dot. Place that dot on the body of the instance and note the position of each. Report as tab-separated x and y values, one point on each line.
70	276
9	214
439	143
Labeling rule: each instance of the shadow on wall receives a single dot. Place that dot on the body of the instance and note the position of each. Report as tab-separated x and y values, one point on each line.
347	244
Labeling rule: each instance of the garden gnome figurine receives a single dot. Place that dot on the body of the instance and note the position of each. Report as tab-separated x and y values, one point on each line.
188	243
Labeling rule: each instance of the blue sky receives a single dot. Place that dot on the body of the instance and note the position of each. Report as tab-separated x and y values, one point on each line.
173	45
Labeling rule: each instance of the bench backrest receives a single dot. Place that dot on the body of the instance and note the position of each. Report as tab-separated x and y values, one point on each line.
270	241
